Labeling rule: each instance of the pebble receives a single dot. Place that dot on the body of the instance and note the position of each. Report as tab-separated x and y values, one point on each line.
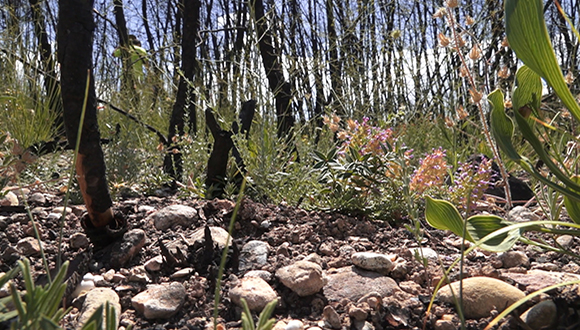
481	295
543	315
59	209
280	325
139	274
522	214
37	198
353	284
160	301
9	199
314	257
257	293
28	246
78	241
565	240
378	262
294	325
95	299
331	317
172	215
254	254
154	264
218	235
128	247
428	253
303	277
263	274
536	279
514	259
145	209
357	313
108	276
444	325
185	272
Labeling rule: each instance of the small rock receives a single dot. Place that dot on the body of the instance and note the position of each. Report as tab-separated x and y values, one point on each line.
373	261
173	215
119	277
354	283
331	317
481	295
565	240
53	216
78	241
428	253
95	299
358	313
182	273
543	315
86	285
283	249
160	301
37	198
514	259
108	276
218	235
28	246
263	274
444	325
314	257
145	209
303	277
254	254
257	292
154	264
410	287
280	325
521	214
59	209
534	280
139	274
294	325
9	199
128	247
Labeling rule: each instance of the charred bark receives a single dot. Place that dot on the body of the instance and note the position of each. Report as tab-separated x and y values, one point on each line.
75	33
281	89
218	160
184	101
51	84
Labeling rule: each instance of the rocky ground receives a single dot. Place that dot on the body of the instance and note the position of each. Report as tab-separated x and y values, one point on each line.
328	270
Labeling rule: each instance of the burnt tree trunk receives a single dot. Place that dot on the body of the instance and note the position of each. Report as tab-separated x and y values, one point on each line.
51	84
184	101
75	33
281	89
218	160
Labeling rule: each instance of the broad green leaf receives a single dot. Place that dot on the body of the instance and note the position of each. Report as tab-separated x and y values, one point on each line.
502	127
482	225
573	206
528	92
443	215
528	37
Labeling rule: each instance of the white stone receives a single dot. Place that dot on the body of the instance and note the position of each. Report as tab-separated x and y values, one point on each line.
185	272
254	254
378	262
218	235
303	277
257	293
160	301
154	264
294	325
96	298
9	199
172	215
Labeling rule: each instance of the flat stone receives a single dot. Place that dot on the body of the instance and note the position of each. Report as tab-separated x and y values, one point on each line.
78	241
154	264
522	214
428	253
303	277
514	259
257	292
354	283
172	215
263	274
254	254
218	235
331	317
95	299
294	325
536	279
542	315
481	295
139	274
128	247
37	198
9	199
565	240
160	301
60	209
28	246
185	272
377	262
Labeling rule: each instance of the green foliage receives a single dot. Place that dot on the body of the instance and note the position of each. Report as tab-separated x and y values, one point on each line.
264	321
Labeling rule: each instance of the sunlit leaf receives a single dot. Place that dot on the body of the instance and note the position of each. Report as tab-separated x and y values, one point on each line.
482	225
443	215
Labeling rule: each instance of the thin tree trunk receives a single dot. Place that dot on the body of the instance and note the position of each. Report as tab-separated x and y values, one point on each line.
280	88
173	163
75	33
